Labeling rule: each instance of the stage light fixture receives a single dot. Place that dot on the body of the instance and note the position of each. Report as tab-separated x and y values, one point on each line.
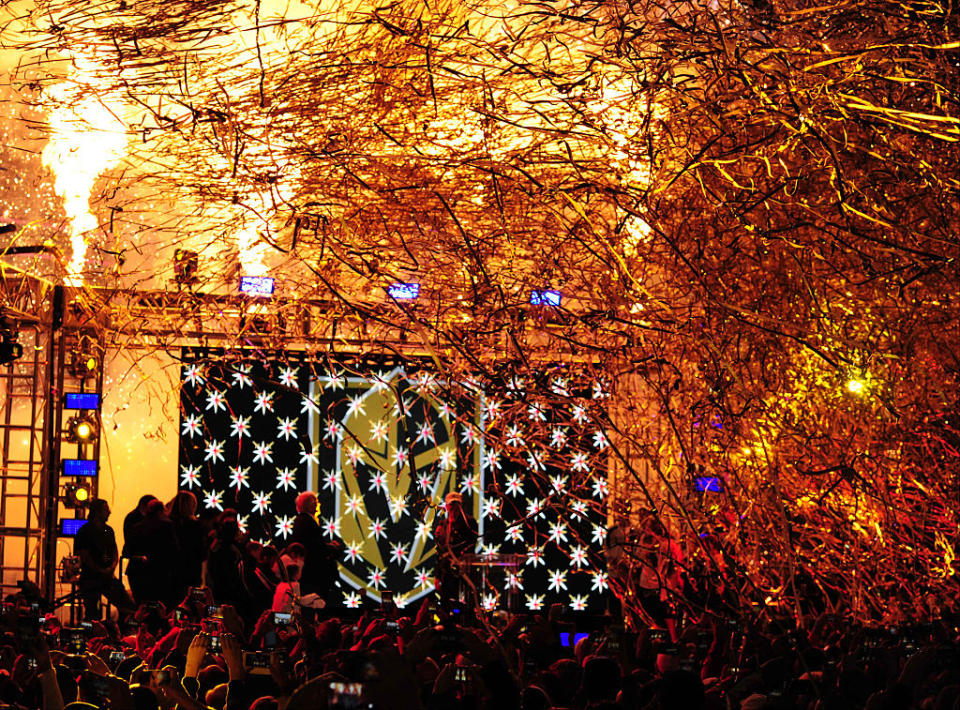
185	266
545	298
856	386
81	429
10	349
84	361
76	495
404	291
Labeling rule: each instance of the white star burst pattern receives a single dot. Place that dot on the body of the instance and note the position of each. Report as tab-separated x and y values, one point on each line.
261	502
191	425
193	375
262	452
239	477
288	377
284	526
287	428
213	500
214	451
216	401
286	478
239	427
189	476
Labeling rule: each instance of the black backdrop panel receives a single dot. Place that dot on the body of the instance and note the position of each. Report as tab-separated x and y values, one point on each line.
382	444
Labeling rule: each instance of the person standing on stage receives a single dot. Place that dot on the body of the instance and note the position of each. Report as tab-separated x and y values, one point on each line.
136	562
320	572
456	535
96	546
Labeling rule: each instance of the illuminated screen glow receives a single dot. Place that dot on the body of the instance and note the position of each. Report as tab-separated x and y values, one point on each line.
709	484
82	400
545	298
79	467
404	291
70	526
256	285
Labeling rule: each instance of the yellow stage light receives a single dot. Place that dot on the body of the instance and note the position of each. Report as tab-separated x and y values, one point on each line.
81	430
856	386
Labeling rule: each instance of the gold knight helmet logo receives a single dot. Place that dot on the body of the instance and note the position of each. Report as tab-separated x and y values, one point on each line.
396	457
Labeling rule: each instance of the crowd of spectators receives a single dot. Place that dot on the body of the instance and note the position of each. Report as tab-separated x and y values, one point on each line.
255	644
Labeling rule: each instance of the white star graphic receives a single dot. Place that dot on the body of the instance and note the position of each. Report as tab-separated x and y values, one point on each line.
192	425
447	458
354	454
578	557
333	380
194	375
579	463
239	476
600	440
352	552
261	502
599	582
214	451
331	527
216	401
287	428
286	478
284	526
240	426
376	578
189	476
378	432
398	554
558	581
425	434
262	452
308	406
514	485
309	456
213	500
241	378
264	402
331	480
288	377
377	528
355	406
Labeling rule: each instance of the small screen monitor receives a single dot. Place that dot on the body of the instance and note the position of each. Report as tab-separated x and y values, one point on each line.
404	291
545	298
70	526
79	467
82	400
709	484
256	285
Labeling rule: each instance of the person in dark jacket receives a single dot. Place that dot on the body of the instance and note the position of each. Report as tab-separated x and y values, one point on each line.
225	567
320	572
192	540
136	563
155	540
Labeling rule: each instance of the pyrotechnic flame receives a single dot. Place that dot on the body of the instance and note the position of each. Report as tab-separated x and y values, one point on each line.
86	138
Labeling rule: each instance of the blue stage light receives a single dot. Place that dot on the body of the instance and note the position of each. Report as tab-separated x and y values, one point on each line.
545	298
256	285
404	291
